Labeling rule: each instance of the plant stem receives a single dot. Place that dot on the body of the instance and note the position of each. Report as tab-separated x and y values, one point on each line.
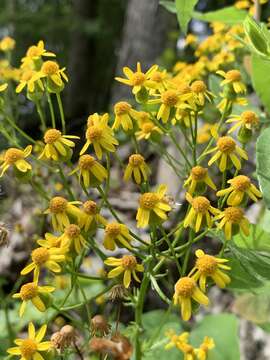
51	110
61	110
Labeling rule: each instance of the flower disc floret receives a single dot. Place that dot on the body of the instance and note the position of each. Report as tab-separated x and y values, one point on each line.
201	204
113	230
138	78
86	162
58	204
240	183
198	173
122	107
52	135
185	286
198	86
234	214
169	98
29	291
147	128
233	75
90	207
206	264
72	231
93	133
226	144
129	262
40	255
136	160
12	155
28	348
250	118
148	200
50	67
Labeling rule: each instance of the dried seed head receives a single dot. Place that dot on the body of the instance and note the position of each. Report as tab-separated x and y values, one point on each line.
100	325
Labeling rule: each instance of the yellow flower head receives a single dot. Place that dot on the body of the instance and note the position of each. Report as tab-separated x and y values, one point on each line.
234	79
72	237
198	176
51	71
153	206
239	186
160	80
90	215
200	92
233	220
248	120
16	158
27	79
147	129
34	53
7	44
210	266
138	80
30	348
57	146
200	212
100	135
181	343
43	257
60	210
206	132
202	352
91	172
170	100
31	292
123	116
186	290
116	234
50	241
227	150
127	265
136	167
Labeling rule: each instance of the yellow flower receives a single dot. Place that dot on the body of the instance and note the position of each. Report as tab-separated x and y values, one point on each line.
183	116
15	157
210	266
7	44
191	39
127	265
123	116
51	70
240	185
50	241
3	87
200	92
90	215
100	135
236	101
138	80
90	171
181	343
198	176
29	348
152	206
206	132
57	146
170	100
147	129
72	236
160	80
34	53
116	234
31	292
226	151
43	257
248	120
199	213
233	219
60	210
136	167
27	79
186	290
202	352
233	78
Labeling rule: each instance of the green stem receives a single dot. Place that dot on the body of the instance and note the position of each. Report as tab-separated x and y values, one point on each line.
61	110
51	110
41	116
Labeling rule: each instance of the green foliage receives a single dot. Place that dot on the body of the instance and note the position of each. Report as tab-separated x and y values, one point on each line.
258	36
263	160
260	76
169	5
258	239
228	15
184	10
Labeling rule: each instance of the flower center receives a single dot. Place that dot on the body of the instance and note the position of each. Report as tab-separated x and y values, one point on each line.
233	75
183	89
234	214
58	204
240	182
185	286
121	108
129	262
226	144
29	291
52	135
93	133
198	86
148	200
157	76
250	117
90	207
206	264
50	67
138	78
12	155
113	230
144	116
27	75
198	173
86	162
72	231
33	51
28	348
40	255
169	98
136	160
200	204
147	128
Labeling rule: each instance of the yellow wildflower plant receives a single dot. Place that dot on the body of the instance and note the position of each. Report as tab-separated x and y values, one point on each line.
226	152
27	79
34	53
72	237
137	168
57	146
181	343
200	91
137	79
210	266
52	72
100	135
206	132
123	116
16	158
185	291
153	206
239	187
7	44
248	119
127	265
30	348
91	172
45	258
116	234
3	87
50	241
31	292
202	352
90	215
234	79
232	219
199	214
170	100
61	210
147	129
198	176
160	79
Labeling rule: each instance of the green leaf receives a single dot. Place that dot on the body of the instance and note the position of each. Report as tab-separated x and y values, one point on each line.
257	35
184	10
263	156
169	5
223	328
227	15
258	239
